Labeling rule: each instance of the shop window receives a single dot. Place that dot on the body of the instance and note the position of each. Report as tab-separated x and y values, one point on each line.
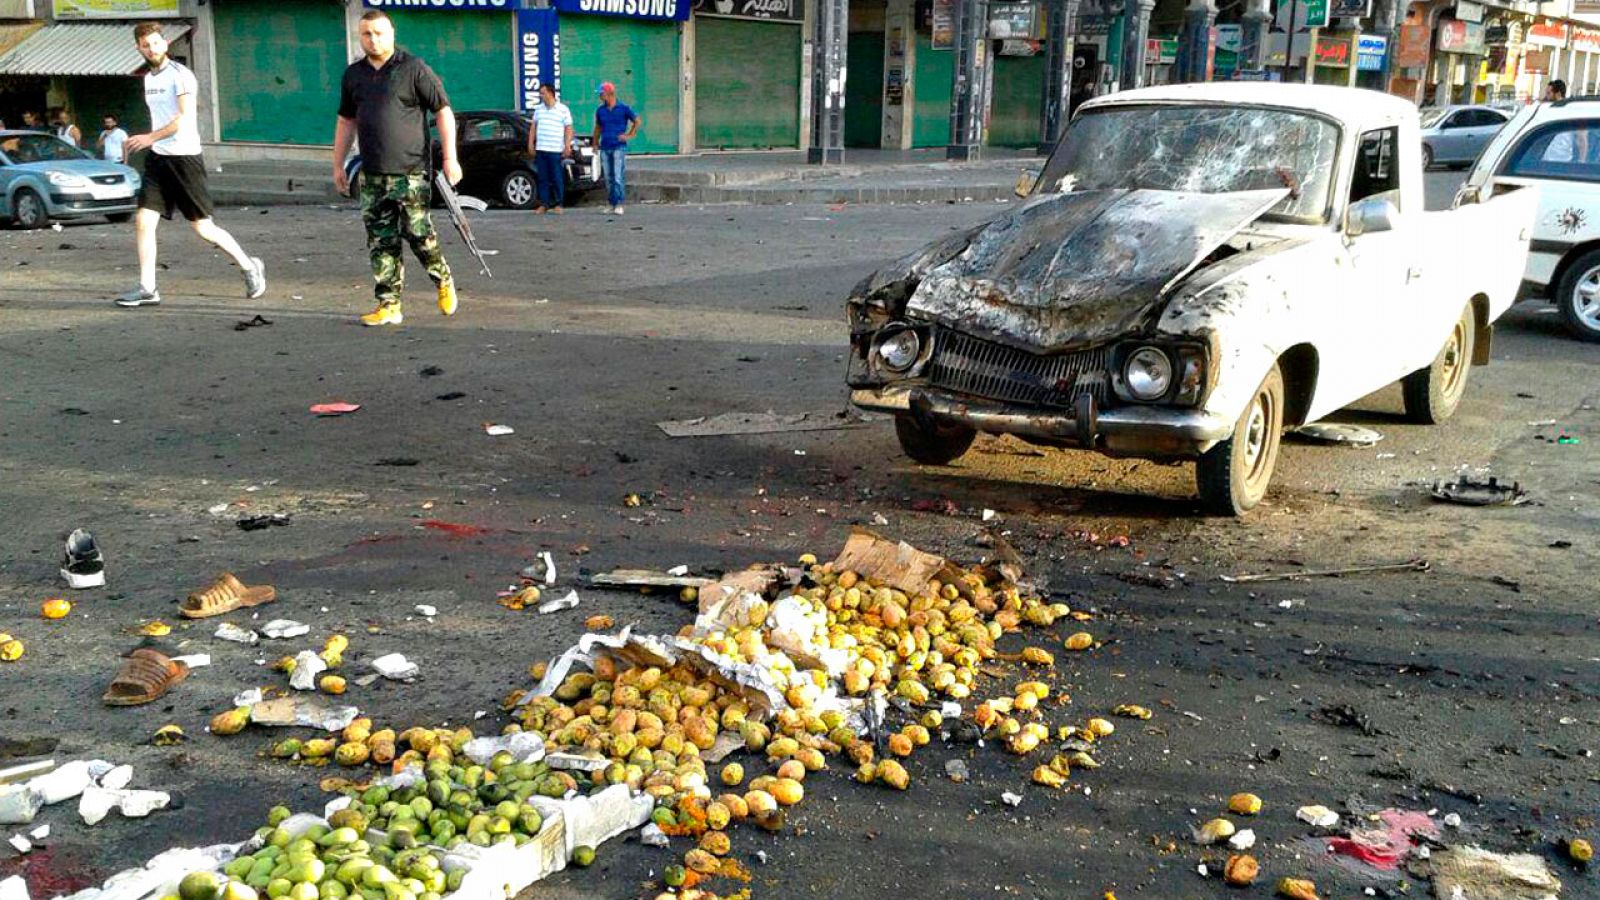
1566	151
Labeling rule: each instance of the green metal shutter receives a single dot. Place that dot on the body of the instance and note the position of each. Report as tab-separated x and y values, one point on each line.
863	90
747	84
471	52
1018	96
278	69
931	115
640	56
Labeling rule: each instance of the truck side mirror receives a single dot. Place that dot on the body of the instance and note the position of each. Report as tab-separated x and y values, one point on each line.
1371	215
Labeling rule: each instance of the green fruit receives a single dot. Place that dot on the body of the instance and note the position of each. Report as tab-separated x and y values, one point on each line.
664	817
332	890
452	881
238	890
498	825
402	839
529	821
500	761
308	871
315	832
422	806
279	887
286	749
199	886
240	867
277	814
349	872
259	881
583	857
443	832
279	838
375	796
349	817
340	837
304	891
554	788
480	839
472	777
674	876
377	877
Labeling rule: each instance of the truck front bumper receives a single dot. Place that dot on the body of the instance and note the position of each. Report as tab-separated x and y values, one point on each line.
1139	431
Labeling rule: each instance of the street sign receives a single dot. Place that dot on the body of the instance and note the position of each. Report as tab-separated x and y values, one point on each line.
1302	13
1316	13
1370	51
1351	9
538	55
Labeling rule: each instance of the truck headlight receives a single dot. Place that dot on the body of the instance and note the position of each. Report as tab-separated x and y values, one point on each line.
68	180
1148	373
898	349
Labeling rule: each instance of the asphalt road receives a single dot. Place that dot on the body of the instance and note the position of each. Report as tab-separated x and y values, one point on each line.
1470	688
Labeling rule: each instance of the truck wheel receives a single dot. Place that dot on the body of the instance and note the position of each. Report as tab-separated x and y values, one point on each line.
1233	476
28	210
933	446
1433	393
1579	297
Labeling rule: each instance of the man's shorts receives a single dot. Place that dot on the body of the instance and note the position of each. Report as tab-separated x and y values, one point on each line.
175	183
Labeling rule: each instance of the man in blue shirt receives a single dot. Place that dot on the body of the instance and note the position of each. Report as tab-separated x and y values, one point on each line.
614	126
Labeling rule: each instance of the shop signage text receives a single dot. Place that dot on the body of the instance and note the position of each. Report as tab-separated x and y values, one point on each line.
675	10
1013	20
1461	37
538	55
1370	51
115	9
1333	52
479	5
1351	9
767	10
1413	51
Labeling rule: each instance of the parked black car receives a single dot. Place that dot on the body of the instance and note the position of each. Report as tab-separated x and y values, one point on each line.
495	165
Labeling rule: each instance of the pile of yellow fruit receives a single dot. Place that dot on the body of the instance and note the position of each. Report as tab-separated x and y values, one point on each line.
360	744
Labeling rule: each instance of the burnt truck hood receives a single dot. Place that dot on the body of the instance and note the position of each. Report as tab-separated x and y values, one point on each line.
1078	268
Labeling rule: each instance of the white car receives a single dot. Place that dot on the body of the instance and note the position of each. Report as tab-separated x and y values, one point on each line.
1554	147
1200	266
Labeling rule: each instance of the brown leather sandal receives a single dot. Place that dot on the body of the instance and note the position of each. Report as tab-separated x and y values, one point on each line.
145	675
225	595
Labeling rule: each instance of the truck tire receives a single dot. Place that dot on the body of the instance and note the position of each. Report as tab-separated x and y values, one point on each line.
28	210
1578	295
1233	476
1433	393
935	446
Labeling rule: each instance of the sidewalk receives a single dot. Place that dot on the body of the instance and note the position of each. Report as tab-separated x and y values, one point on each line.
865	176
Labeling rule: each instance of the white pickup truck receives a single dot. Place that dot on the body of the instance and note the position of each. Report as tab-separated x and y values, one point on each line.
1198	268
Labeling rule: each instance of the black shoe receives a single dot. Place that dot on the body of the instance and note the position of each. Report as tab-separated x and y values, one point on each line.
83	566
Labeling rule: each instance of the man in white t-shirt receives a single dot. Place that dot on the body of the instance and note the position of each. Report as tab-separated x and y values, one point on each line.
111	138
174	172
550	142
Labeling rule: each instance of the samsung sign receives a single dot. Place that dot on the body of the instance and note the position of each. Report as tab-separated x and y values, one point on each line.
479	5
538	55
677	10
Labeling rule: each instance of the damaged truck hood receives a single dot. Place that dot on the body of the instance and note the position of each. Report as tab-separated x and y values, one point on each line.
1079	268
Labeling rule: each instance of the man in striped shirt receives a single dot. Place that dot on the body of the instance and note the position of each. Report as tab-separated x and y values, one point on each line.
550	142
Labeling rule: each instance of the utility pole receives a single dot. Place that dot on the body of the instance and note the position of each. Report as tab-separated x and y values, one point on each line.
1135	31
1060	26
828	45
1386	22
1291	27
1253	36
1194	45
966	89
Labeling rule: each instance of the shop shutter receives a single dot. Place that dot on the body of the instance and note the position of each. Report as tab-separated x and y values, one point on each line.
934	71
1018	95
747	84
278	69
863	101
641	57
470	51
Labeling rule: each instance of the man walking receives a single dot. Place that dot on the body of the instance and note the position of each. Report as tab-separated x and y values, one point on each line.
174	172
111	139
550	142
614	126
384	100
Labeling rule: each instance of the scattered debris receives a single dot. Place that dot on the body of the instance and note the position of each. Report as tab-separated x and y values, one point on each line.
1317	816
1470	492
265	520
493	430
302	712
1388	842
1343	715
758	423
228	631
83	565
144	675
396	667
956	769
256	321
1243	839
1477	874
570	601
283	629
96	803
1412	565
647	578
225	595
1337	433
337	408
1011	799
427	611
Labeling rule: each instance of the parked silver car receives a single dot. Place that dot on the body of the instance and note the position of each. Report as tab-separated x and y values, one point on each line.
43	177
1455	135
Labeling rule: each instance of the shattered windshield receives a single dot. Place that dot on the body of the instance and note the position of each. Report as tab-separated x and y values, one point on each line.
1203	149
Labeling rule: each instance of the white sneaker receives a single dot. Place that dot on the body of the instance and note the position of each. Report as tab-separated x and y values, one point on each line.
618	210
255	278
139	297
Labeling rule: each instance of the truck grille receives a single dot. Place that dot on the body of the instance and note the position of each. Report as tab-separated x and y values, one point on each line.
996	372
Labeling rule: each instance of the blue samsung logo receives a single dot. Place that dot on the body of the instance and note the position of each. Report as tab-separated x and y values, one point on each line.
495	5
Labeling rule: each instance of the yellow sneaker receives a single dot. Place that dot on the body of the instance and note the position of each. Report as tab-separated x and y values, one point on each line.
447	298
383	315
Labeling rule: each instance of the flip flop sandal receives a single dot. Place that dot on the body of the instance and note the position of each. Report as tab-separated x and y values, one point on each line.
145	675
225	595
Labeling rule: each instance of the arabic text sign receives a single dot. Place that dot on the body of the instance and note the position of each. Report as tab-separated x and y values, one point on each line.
538	55
1333	52
454	5
671	10
115	9
1370	51
768	10
1461	37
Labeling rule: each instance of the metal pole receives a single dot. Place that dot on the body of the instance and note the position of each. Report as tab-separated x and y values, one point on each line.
967	80
1135	31
827	82
1060	25
1288	52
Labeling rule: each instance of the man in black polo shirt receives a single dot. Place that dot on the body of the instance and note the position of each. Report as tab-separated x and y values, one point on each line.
385	99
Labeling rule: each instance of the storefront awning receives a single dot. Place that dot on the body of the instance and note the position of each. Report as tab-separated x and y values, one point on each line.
79	48
12	34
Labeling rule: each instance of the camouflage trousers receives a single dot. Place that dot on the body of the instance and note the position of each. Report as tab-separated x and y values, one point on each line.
395	207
